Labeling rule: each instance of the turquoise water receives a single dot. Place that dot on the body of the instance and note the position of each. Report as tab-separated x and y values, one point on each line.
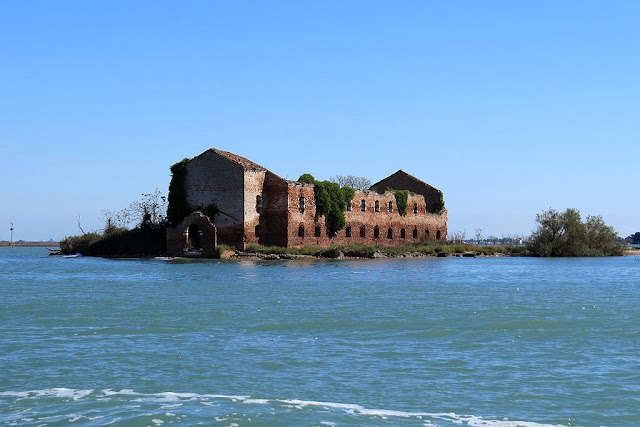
455	341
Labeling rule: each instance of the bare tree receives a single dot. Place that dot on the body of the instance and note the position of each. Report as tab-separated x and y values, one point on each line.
478	235
152	208
458	236
356	182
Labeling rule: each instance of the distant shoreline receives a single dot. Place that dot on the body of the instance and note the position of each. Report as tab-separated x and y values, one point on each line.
31	244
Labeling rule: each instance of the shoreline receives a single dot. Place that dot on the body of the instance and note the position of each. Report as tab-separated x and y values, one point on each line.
31	245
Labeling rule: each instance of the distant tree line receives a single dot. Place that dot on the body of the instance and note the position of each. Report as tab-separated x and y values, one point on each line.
634	239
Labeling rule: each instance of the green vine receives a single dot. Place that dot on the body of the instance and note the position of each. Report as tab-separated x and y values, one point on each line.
402	197
438	206
331	201
178	207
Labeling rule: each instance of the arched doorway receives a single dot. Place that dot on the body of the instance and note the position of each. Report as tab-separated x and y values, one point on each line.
193	237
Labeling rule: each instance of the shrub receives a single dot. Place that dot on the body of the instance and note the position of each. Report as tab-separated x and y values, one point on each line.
78	244
359	250
565	235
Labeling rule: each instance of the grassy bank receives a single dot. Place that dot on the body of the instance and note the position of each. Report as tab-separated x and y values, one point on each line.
371	251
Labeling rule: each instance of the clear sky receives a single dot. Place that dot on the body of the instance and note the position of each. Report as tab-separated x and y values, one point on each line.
508	107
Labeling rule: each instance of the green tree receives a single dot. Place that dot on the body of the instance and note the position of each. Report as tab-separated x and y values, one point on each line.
331	201
563	234
307	178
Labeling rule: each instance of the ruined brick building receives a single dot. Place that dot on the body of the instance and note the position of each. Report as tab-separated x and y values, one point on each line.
256	206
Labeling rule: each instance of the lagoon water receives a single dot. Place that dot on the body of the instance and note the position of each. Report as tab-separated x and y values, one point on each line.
455	341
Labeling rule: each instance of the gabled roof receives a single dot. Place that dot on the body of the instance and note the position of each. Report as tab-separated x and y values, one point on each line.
402	176
245	163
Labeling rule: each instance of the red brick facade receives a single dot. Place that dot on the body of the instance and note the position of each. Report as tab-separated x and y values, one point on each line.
258	207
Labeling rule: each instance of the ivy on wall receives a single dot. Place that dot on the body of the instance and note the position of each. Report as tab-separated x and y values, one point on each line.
178	208
331	201
402	197
438	206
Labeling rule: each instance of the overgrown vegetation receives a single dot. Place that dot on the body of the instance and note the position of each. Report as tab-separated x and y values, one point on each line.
331	201
563	234
438	206
357	250
402	197
307	178
146	238
178	208
140	241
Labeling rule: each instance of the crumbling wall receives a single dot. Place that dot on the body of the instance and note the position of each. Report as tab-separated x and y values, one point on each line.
403	181
417	225
272	229
178	237
254	196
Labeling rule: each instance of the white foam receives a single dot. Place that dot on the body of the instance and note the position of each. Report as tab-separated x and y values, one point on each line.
176	397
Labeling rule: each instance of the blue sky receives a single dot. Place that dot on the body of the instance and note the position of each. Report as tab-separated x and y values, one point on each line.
508	107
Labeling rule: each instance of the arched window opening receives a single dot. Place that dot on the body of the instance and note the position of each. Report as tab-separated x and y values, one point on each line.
403	234
362	231
389	234
363	205
349	207
426	234
376	232
415	208
390	207
438	235
193	238
347	232
301	231
301	202
415	233
377	205
316	232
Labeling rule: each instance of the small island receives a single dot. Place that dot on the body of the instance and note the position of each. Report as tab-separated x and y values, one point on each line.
221	205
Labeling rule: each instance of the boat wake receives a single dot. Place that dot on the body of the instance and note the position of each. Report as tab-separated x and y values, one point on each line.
111	406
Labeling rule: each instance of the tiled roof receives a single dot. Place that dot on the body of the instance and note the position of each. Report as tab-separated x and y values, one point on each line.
245	163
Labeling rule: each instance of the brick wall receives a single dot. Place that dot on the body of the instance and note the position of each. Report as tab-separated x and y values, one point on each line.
417	225
180	244
403	181
274	219
254	196
212	178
